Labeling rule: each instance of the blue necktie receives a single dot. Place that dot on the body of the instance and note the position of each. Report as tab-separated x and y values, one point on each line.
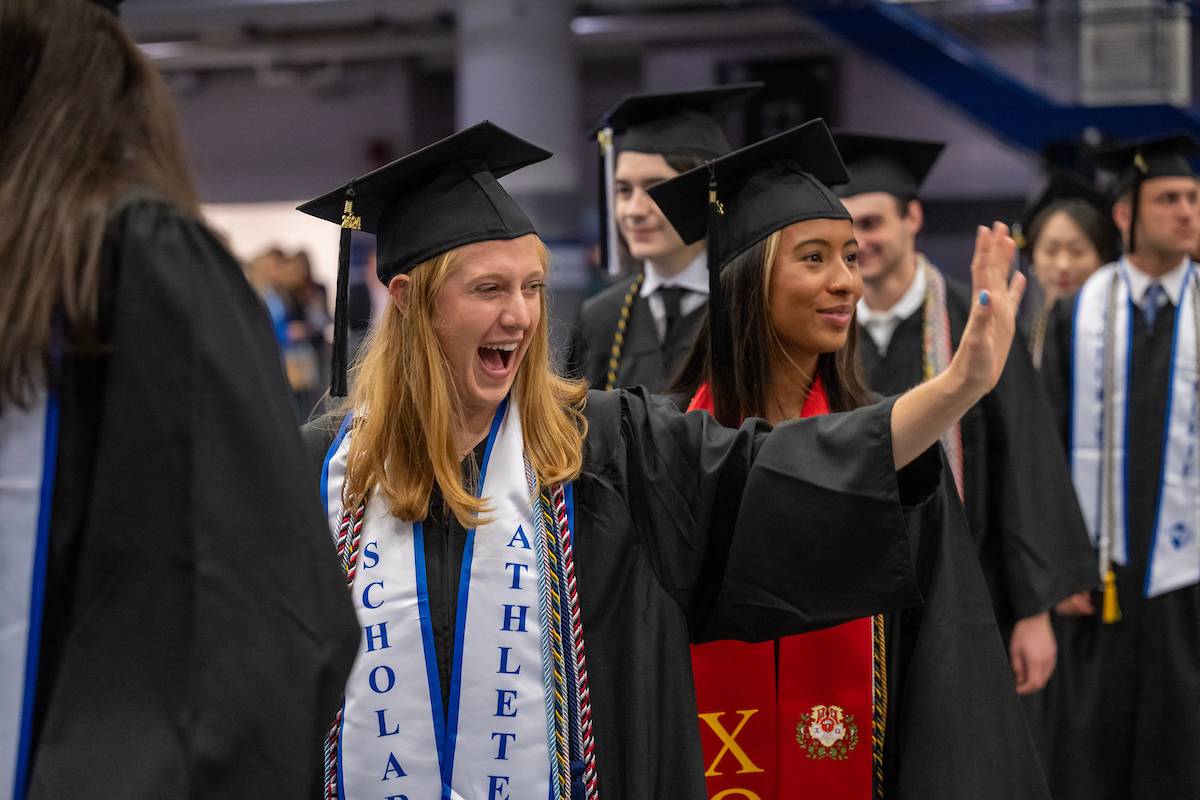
1152	300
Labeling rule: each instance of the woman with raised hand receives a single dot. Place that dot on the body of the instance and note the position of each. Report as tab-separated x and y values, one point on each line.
171	621
842	712
530	560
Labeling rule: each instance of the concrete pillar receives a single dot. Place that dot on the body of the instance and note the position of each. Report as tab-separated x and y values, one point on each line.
516	65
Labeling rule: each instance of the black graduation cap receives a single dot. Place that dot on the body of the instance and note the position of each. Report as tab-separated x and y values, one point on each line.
740	199
110	5
432	200
666	123
676	122
1138	160
884	164
1059	186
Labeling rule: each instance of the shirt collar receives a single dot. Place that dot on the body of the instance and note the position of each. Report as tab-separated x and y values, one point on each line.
694	277
1172	282
909	303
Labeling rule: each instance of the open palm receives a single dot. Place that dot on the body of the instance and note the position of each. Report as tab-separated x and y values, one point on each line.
989	333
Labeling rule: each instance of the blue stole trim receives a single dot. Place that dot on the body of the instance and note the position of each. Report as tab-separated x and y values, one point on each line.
333	448
446	750
341	781
343	429
1166	434
37	595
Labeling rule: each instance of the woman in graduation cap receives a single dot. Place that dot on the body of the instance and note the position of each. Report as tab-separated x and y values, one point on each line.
844	712
1067	237
530	560
171	622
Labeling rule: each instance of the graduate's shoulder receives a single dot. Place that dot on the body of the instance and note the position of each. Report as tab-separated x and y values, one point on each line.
149	234
612	414
1062	316
317	435
601	309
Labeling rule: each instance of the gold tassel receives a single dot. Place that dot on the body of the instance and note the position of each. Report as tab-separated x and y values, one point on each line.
1112	611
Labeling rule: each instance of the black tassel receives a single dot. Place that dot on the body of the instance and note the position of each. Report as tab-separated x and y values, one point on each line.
1139	163
602	193
720	348
1133	214
341	307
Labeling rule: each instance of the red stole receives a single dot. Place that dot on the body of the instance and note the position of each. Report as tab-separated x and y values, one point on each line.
802	730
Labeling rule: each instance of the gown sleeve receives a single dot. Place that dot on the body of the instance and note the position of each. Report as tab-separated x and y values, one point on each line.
759	533
210	632
1044	550
1056	365
955	728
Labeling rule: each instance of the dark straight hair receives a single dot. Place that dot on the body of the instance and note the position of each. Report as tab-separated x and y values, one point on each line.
742	394
1098	229
84	118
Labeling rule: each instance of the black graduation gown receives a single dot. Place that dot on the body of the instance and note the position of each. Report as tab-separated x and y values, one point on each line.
1017	488
955	728
645	359
1122	710
688	532
197	633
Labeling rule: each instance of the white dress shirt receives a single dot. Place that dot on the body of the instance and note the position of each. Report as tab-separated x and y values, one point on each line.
880	325
693	279
1139	282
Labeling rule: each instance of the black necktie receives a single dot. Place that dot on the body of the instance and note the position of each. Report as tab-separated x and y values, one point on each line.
671	297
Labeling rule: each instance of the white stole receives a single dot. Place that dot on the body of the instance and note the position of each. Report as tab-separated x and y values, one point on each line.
1174	560
27	449
396	741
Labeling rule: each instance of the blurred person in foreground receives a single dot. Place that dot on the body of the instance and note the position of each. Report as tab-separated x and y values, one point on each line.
1010	473
171	620
1120	364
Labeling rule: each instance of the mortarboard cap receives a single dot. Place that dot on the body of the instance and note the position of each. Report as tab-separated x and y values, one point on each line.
740	199
676	122
883	164
435	199
1060	186
110	5
1138	160
1145	158
666	123
761	188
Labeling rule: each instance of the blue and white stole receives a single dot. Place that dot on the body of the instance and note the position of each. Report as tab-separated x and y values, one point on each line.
1102	346
28	444
492	741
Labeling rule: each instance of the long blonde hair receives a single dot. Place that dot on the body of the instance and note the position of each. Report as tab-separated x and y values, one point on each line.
405	440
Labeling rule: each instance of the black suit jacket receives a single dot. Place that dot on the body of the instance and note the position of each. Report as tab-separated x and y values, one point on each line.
645	361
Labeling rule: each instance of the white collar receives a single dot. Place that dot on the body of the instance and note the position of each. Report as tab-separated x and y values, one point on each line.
1172	282
694	277
909	303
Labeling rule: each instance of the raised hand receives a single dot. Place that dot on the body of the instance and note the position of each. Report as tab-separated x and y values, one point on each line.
995	298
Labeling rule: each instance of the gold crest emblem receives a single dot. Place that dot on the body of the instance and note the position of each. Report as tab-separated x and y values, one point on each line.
827	732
